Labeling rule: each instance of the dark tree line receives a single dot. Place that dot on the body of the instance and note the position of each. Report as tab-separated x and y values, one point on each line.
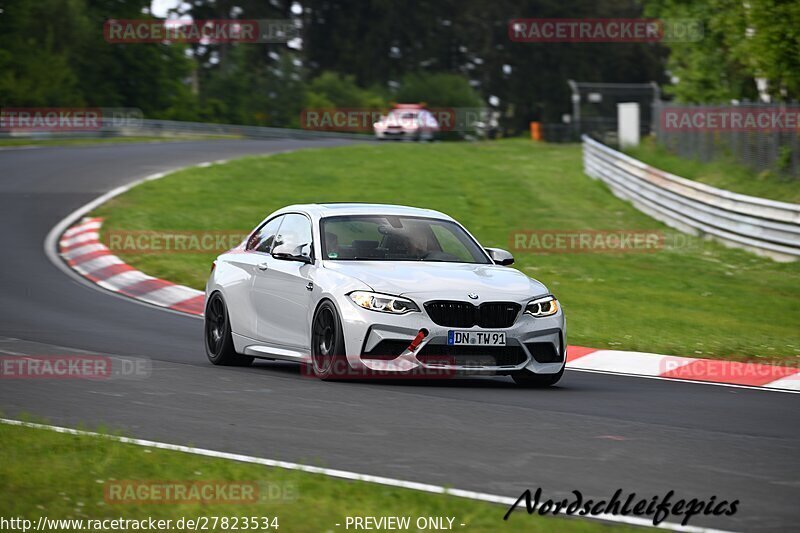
371	52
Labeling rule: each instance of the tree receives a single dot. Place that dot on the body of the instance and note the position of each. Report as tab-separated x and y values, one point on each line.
53	53
742	41
772	47
36	54
331	89
438	90
382	41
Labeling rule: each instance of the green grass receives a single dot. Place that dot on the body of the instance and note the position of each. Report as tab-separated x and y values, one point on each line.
62	476
82	141
702	301
723	173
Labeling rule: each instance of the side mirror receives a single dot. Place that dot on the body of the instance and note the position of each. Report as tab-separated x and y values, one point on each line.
500	256
287	252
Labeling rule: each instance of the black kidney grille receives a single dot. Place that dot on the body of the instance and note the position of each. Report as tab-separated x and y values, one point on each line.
455	314
497	314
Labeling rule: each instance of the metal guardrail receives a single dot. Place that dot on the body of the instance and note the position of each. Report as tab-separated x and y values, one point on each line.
766	227
155	127
135	127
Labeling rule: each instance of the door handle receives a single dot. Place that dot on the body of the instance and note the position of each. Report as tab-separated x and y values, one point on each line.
263	266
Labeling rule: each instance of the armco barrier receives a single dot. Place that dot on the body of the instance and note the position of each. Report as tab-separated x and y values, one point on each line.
156	127
763	226
149	127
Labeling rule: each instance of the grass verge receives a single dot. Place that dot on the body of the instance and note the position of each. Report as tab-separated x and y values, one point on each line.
65	477
722	173
698	299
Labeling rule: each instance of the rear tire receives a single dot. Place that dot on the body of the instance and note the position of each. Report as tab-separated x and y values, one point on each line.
526	378
328	359
218	338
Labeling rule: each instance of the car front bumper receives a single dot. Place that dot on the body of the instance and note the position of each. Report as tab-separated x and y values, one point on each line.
394	133
537	345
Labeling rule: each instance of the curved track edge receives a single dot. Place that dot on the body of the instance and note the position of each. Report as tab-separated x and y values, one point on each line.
82	251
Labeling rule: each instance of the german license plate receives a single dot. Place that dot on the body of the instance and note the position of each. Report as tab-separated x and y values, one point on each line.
476	338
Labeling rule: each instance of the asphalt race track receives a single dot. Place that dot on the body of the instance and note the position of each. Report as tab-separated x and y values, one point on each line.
594	432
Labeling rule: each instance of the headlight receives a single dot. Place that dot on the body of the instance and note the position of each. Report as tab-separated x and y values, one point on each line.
383	302
545	306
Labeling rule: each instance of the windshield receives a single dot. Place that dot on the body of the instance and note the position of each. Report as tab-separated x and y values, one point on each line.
398	238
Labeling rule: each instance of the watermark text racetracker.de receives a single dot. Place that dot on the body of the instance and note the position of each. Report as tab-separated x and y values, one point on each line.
362	119
608	30
387	366
728	371
73	366
730	118
172	241
56	119
211	31
658	508
205	492
586	241
590	241
185	523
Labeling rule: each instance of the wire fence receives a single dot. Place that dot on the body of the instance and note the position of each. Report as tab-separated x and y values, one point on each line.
763	137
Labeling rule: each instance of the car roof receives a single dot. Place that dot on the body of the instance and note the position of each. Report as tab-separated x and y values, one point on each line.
324	210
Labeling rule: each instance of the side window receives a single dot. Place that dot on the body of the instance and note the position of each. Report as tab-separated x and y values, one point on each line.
295	232
262	240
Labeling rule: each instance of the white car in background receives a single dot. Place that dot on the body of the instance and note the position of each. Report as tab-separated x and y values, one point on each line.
407	121
355	290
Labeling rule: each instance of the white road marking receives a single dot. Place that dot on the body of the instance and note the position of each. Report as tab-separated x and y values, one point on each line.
77	252
125	279
789	382
98	263
91	224
172	295
695	381
52	238
631	362
83	237
344	474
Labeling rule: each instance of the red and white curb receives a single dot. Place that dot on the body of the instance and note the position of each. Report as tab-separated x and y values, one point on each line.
81	249
777	377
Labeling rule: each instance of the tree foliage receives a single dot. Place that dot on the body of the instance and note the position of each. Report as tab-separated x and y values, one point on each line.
743	41
53	53
367	53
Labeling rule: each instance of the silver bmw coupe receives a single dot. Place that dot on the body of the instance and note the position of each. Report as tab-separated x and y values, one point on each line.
356	290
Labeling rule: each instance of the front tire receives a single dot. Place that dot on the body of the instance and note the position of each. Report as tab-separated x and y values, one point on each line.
218	338
526	378
328	358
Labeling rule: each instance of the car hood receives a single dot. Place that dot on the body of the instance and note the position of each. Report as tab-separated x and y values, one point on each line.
441	280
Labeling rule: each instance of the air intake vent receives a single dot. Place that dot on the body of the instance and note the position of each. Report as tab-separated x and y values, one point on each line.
472	356
544	352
